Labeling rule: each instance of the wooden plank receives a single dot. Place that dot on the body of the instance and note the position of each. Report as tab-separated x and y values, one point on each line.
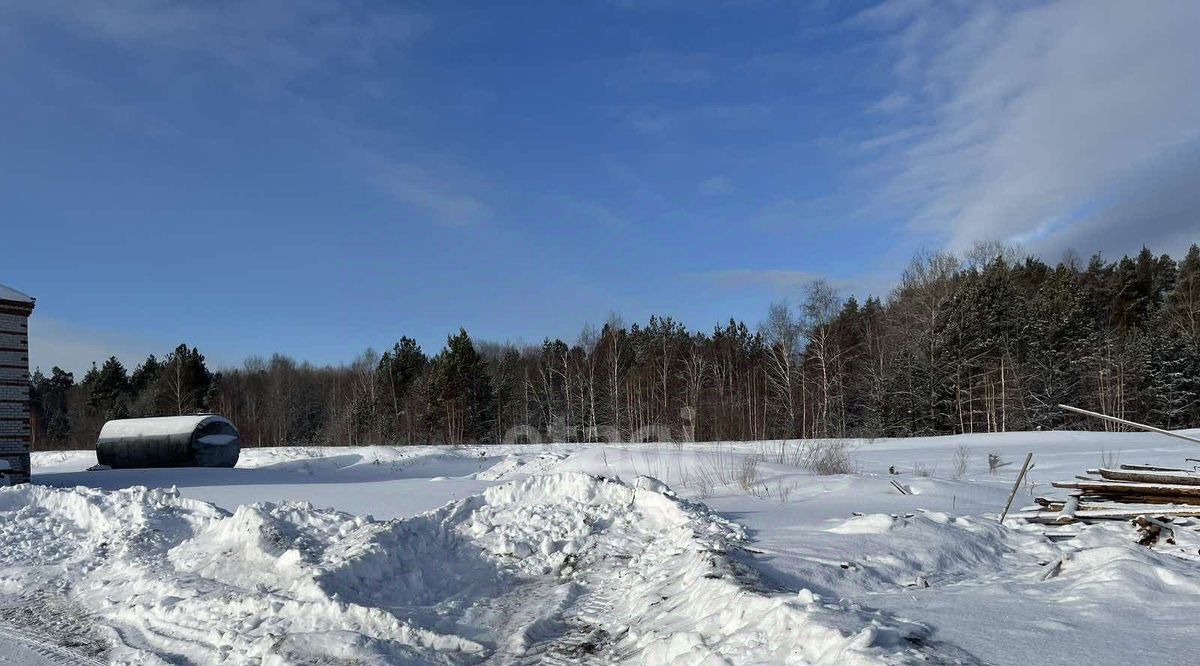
1134	424
1016	486
1181	478
1051	517
1154	468
1125	498
1123	488
1091	505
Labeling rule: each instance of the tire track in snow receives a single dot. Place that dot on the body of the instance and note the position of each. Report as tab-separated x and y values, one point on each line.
50	652
563	568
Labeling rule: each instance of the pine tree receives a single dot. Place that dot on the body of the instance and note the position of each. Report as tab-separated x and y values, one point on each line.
460	395
1173	371
400	371
1058	342
186	380
108	390
50	401
1184	301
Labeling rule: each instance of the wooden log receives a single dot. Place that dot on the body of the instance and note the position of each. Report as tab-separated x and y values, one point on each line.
1147	519
1139	476
1153	530
1128	488
1067	513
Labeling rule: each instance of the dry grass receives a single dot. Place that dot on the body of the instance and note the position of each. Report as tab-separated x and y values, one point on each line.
748	477
828	456
962	458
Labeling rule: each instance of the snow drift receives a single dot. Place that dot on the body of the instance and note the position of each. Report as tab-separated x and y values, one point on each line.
567	568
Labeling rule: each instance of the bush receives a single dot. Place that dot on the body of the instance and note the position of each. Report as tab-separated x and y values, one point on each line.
747	478
829	456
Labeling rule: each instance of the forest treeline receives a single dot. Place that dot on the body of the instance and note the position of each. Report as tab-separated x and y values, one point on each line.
988	342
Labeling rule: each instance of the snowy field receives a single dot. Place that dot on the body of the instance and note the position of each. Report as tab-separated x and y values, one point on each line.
653	553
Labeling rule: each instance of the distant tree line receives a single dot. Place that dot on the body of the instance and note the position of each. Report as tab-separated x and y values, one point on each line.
989	342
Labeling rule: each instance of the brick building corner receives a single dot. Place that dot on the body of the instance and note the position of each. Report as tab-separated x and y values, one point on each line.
15	433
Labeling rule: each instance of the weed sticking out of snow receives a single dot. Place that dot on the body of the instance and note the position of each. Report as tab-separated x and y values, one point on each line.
962	459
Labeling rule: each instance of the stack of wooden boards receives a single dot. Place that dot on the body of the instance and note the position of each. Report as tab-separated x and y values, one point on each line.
1128	493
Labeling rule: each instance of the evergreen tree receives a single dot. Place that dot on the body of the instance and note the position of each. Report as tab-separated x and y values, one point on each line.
50	401
145	382
1184	300
108	390
186	381
460	393
399	372
1058	340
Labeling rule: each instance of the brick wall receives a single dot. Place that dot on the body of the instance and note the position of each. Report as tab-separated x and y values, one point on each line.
15	437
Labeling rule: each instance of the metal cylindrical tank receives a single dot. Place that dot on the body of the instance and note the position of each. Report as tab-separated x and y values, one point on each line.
201	440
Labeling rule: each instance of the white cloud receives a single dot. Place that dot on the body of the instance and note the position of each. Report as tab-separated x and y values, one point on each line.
1045	123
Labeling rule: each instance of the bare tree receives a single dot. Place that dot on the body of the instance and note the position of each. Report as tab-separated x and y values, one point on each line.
782	334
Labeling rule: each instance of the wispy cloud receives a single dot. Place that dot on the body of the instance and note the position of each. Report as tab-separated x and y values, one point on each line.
271	41
590	211
53	342
320	62
435	194
652	119
1021	119
773	278
789	284
716	186
663	67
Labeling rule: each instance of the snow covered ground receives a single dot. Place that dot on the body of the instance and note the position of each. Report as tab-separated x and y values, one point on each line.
653	553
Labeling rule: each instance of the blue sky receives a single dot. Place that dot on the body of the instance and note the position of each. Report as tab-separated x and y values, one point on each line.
317	177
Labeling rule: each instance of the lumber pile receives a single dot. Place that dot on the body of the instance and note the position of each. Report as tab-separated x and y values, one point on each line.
1150	495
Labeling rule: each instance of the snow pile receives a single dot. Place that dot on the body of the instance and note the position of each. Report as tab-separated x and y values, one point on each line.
514	465
567	567
901	550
